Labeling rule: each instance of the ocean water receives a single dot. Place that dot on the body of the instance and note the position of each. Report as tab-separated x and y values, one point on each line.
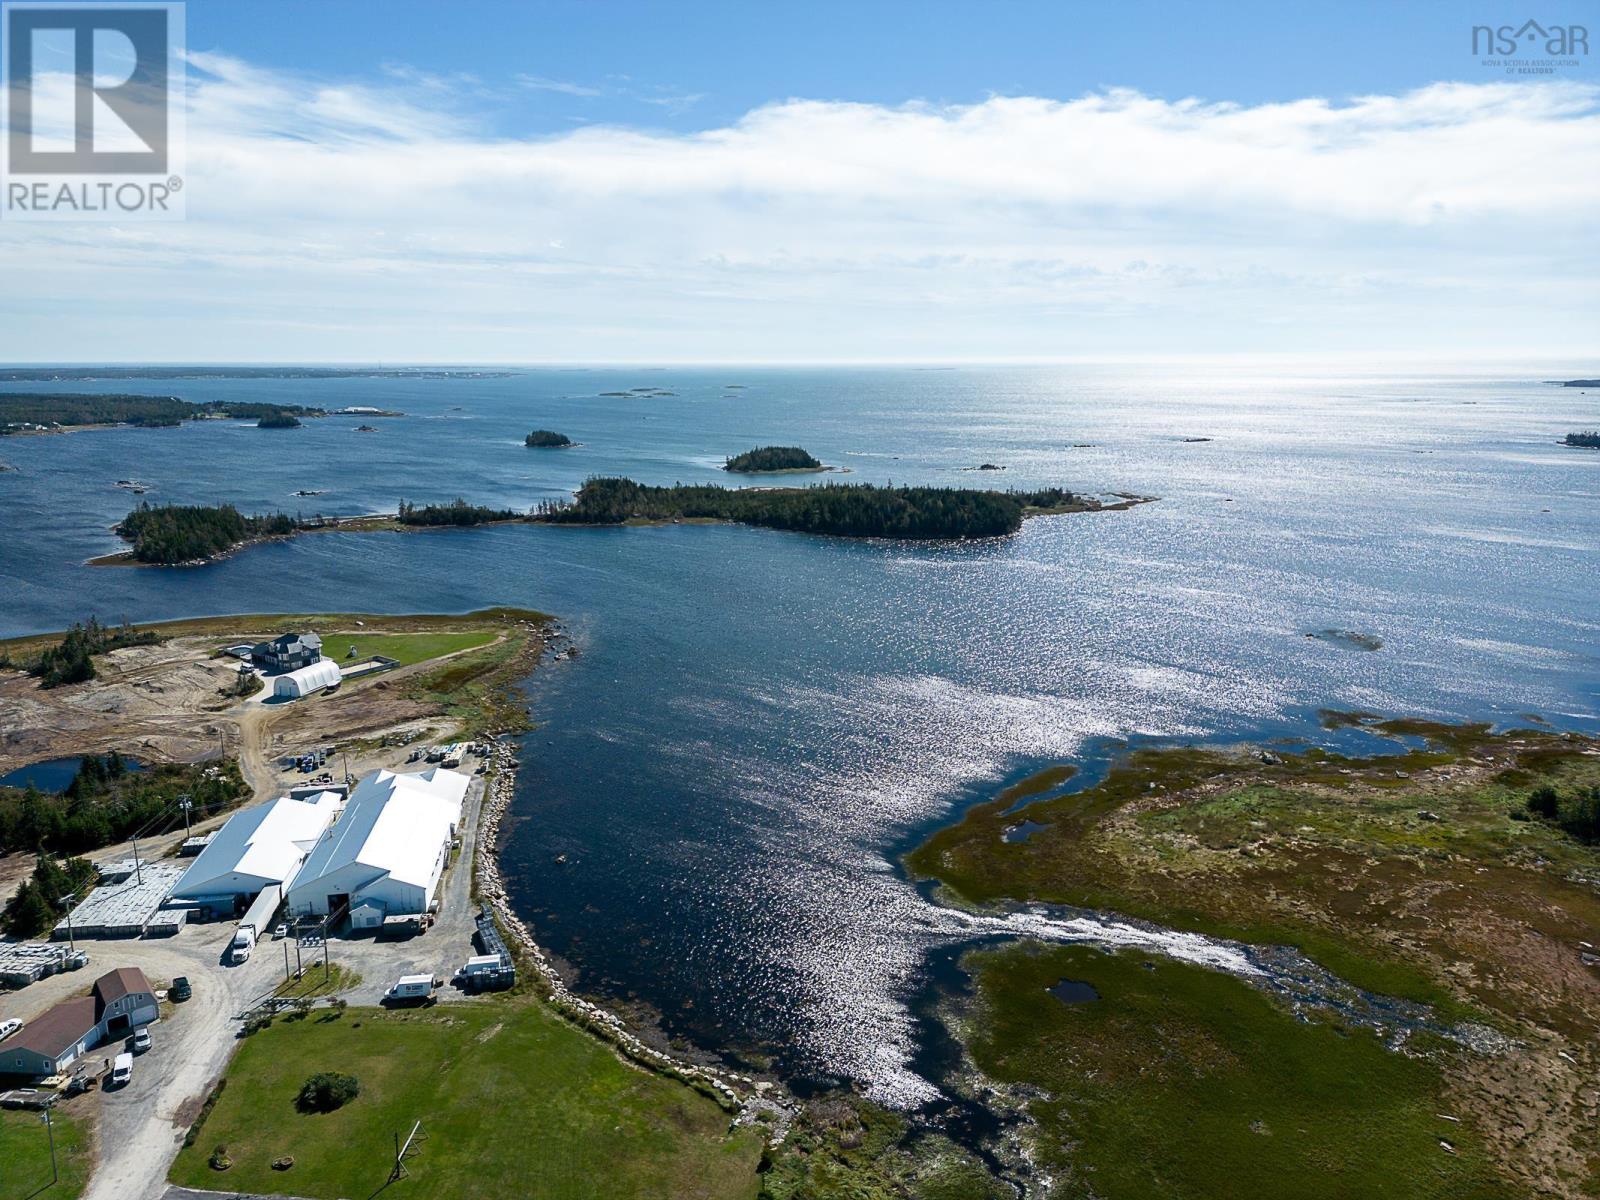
759	722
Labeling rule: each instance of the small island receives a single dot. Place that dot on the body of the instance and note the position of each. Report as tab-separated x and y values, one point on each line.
1583	383
547	439
278	420
770	460
1589	439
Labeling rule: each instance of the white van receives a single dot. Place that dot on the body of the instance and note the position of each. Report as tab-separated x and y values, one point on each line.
121	1069
414	988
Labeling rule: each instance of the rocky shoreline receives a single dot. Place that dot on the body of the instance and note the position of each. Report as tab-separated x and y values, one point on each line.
754	1103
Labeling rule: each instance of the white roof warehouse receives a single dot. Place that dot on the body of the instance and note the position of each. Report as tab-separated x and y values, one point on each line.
258	847
386	854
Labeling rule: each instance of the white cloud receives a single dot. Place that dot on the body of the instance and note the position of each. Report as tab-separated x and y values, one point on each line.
1017	227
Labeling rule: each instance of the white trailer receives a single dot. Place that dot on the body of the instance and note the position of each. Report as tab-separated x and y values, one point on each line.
411	988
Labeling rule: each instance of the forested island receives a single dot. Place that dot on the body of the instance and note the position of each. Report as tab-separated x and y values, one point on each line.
1588	438
278	420
546	439
844	510
24	412
1580	383
771	459
185	533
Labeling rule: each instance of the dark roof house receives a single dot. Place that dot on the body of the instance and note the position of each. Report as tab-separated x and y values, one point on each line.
120	1000
288	652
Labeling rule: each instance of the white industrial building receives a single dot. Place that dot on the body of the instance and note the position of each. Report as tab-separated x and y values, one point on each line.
260	847
385	855
320	674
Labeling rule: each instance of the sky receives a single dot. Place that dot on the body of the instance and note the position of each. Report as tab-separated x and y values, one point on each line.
870	182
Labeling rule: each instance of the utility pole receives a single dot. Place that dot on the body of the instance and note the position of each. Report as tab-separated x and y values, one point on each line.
186	802
50	1130
286	975
72	944
299	970
137	870
327	970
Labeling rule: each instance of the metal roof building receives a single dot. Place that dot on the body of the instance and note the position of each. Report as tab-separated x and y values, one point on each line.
320	674
258	847
386	854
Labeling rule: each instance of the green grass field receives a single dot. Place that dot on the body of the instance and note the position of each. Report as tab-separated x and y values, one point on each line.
1182	1082
406	648
514	1102
25	1157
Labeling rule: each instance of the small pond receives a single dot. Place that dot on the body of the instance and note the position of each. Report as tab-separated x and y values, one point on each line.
53	774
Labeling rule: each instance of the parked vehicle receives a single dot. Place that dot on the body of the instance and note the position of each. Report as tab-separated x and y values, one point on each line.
281	932
411	989
122	1069
8	1027
140	1041
180	989
243	942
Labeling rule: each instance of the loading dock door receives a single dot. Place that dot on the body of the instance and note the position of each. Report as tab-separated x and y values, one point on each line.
338	907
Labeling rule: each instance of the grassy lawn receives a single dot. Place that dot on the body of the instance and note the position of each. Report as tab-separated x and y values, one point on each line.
25	1157
407	648
315	982
1184	1082
514	1102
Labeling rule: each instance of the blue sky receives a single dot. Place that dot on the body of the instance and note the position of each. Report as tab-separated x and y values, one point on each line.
737	56
476	182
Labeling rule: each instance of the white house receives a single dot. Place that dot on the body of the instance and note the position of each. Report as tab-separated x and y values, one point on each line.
320	674
385	855
259	847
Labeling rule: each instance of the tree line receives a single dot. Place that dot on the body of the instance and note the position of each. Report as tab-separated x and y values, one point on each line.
457	512
108	802
1589	438
43	899
71	660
